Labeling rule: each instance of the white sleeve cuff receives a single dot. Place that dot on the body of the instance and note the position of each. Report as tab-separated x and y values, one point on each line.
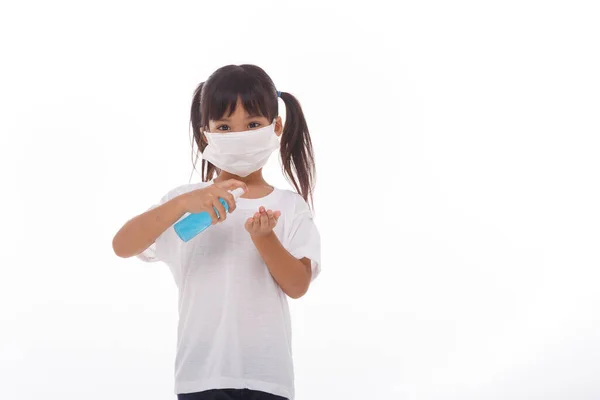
148	255
315	262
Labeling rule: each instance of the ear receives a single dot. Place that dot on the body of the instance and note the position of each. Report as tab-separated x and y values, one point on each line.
278	126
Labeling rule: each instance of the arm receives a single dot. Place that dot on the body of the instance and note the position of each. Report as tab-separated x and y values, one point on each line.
291	274
141	231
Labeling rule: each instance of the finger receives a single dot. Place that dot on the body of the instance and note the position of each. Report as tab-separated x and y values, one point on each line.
213	215
228	197
262	210
220	210
256	221
276	215
272	221
249	224
264	220
271	216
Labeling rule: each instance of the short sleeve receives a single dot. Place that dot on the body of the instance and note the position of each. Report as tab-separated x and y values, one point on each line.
167	246
156	249
304	239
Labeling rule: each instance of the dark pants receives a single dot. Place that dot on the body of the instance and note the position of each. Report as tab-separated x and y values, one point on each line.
229	394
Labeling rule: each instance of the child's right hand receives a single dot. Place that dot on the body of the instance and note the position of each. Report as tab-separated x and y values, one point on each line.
205	199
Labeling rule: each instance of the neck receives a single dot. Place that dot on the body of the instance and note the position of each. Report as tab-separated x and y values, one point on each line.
255	178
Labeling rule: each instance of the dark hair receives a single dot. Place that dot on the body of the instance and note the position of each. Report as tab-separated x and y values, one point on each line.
220	93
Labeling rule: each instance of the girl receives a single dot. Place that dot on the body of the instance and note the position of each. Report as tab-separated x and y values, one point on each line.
234	333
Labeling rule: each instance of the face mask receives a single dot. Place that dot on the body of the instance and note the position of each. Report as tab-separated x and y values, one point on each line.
241	153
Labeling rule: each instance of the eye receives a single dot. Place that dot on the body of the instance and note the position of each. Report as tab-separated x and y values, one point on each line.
225	128
253	125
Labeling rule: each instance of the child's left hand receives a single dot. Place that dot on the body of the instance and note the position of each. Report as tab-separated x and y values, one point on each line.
262	223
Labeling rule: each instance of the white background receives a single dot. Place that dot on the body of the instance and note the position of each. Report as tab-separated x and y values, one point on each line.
457	196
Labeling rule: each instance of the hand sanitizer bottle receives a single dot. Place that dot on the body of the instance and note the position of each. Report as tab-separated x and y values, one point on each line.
192	224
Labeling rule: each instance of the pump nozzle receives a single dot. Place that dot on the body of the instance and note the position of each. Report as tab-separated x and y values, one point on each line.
237	192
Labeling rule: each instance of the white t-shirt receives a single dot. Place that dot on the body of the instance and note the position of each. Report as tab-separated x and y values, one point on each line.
234	323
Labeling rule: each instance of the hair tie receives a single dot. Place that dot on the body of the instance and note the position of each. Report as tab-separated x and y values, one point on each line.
278	93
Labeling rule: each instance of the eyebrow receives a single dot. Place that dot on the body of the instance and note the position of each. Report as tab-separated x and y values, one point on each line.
247	117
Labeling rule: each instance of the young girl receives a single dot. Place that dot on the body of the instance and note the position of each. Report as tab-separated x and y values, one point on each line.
234	333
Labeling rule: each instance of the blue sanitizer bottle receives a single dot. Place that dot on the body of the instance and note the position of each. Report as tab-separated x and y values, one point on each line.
191	225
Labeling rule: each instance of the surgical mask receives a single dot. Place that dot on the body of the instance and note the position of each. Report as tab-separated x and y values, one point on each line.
241	153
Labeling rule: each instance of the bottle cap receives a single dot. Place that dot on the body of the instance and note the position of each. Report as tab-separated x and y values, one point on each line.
237	192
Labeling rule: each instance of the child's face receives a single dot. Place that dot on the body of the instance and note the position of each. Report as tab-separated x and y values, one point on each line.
240	121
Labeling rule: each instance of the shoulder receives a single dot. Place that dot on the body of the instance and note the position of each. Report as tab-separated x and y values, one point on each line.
294	201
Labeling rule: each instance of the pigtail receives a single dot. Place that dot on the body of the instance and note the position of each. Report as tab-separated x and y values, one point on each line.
296	150
207	170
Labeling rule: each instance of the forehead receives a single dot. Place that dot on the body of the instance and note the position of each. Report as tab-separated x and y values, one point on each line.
239	113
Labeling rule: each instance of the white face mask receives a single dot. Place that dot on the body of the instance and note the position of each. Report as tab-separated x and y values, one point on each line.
241	153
